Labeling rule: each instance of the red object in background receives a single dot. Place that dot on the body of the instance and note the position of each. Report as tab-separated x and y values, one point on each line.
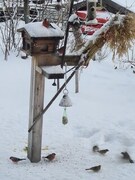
82	14
90	29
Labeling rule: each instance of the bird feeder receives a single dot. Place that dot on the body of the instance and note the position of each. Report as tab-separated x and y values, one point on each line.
40	40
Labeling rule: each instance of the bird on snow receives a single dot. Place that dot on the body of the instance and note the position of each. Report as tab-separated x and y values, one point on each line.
95	168
95	148
47	24
127	156
103	151
50	157
16	159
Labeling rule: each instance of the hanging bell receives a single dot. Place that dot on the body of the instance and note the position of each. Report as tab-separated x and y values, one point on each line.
65	101
54	83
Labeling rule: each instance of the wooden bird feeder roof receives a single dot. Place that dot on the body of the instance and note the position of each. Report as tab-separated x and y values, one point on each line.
37	30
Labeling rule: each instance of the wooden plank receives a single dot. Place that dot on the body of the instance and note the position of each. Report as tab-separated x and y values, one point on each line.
53	72
48	60
77	81
36	106
54	59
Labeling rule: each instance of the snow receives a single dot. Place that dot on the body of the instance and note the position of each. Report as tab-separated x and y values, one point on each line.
102	114
53	69
36	29
73	17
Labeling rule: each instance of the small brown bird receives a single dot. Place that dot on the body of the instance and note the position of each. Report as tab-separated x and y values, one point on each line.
61	50
95	148
127	156
95	168
47	24
50	157
103	151
15	159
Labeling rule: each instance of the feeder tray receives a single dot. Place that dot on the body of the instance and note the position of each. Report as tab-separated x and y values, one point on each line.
53	72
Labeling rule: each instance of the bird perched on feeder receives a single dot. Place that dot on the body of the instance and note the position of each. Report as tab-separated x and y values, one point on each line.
50	157
61	50
95	168
95	148
127	156
47	24
103	151
16	159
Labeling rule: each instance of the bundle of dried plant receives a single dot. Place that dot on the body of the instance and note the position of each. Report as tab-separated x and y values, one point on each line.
121	34
118	33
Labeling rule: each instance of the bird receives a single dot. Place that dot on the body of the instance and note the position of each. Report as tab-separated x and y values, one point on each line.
50	157
95	168
127	156
47	24
95	148
61	50
24	56
16	159
103	151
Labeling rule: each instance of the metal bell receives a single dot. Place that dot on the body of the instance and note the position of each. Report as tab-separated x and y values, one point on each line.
65	101
54	83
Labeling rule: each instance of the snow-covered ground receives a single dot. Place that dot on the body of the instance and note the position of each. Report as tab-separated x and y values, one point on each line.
102	114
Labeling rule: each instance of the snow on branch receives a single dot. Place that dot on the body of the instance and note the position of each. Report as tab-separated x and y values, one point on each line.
118	33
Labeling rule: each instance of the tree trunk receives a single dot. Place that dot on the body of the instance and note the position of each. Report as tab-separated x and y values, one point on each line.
26	11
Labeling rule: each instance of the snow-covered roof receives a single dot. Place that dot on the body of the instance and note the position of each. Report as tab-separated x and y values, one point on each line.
36	29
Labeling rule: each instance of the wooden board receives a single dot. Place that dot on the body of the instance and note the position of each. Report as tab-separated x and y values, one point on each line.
53	72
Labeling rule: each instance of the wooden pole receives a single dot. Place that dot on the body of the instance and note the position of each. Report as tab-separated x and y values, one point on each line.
91	11
58	84
77	81
36	106
26	11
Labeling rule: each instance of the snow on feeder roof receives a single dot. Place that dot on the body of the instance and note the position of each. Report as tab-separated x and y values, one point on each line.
37	29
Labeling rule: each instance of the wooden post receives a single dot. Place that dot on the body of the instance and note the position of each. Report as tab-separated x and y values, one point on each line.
91	12
58	84
36	106
77	81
